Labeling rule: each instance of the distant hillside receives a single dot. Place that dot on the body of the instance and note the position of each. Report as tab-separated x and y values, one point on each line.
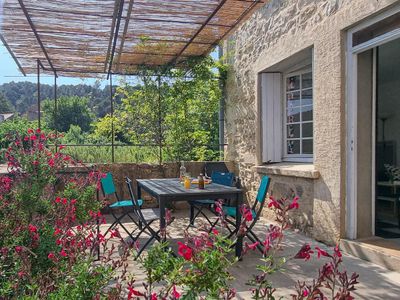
22	95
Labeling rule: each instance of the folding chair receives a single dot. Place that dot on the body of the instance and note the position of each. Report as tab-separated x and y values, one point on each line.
256	209
216	177
108	188
146	217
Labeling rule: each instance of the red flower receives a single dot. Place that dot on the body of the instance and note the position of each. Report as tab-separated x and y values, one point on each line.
58	199
21	274
304	253
51	256
337	251
305	293
32	228
63	253
322	252
133	292
215	231
61	147
154	296
274	203
51	162
33	137
30	131
18	249
35	163
185	251
175	293
247	214
294	204
253	246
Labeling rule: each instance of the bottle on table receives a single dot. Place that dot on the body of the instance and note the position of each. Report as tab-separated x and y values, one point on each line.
201	182
182	171
186	181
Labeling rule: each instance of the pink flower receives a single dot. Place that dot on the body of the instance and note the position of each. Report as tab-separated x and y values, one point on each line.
175	293
18	249
35	163
185	251
253	246
337	251
305	293
21	274
133	292
304	253
294	204
274	203
322	252
154	296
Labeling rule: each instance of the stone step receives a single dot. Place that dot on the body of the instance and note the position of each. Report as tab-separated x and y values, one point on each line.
383	252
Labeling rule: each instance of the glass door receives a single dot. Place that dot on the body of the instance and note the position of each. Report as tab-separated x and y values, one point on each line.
387	137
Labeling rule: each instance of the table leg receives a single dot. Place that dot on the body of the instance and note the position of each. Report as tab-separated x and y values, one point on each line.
139	191
239	241
161	201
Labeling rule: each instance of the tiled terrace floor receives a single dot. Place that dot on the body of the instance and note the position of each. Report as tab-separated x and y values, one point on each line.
376	282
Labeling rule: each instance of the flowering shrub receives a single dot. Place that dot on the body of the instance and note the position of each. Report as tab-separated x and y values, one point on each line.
48	232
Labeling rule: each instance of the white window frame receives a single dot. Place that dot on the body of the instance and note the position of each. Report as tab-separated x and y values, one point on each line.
296	157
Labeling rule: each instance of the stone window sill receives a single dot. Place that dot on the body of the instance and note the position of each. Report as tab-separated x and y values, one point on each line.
303	170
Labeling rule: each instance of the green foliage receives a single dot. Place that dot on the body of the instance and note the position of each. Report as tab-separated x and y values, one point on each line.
71	110
179	113
15	126
85	281
22	95
5	105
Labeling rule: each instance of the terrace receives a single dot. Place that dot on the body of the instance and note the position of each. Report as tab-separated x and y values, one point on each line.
155	40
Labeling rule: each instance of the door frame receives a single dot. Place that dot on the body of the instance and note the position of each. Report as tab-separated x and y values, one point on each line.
351	116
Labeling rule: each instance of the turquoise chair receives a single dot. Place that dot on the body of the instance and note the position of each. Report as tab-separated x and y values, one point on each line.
126	206
224	178
256	209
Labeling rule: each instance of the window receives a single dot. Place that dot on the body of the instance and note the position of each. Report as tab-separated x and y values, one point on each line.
298	118
286	110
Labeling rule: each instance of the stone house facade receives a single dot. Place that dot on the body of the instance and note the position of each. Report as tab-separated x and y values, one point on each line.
292	58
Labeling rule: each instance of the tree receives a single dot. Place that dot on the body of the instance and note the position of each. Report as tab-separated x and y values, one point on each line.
71	110
178	114
5	105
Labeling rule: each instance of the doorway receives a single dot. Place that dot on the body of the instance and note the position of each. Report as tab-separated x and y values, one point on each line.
387	136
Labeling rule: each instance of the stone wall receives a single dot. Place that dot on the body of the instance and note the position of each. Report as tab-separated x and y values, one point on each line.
273	34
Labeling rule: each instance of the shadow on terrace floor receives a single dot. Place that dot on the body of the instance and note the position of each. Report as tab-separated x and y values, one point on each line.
376	282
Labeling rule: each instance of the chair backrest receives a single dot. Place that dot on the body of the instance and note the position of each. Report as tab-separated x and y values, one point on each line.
136	206
224	178
261	197
214	166
108	186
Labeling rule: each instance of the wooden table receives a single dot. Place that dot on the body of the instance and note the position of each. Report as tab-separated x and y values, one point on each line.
170	189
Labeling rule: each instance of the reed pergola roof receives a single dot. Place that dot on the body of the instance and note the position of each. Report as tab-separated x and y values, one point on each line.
83	37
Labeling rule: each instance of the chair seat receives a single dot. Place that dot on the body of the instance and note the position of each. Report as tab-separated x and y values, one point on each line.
202	202
125	203
231	211
150	214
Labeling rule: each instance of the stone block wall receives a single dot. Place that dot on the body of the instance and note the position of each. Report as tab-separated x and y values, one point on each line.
275	33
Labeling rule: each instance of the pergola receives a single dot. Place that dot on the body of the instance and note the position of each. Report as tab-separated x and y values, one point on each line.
80	38
87	38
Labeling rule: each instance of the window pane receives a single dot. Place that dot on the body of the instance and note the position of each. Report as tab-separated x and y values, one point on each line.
293	83
293	147
293	131
293	99
306	80
307	97
307	146
307	129
307	113
293	115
